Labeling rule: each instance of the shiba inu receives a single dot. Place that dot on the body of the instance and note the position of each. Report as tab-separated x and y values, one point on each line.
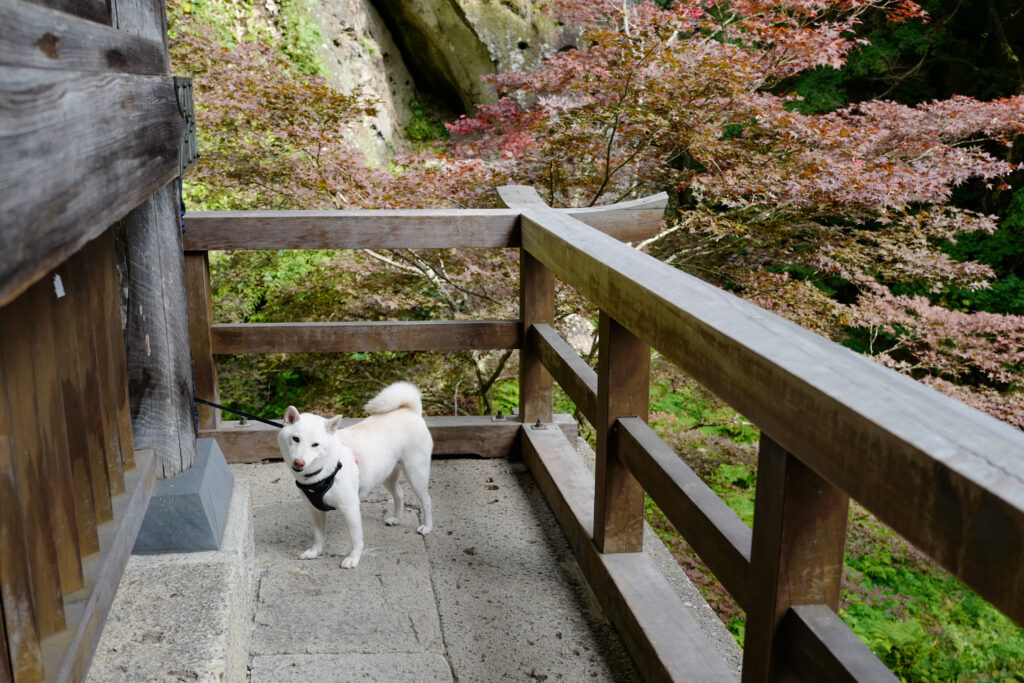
335	468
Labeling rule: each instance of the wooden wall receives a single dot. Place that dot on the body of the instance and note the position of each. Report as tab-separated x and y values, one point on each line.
89	138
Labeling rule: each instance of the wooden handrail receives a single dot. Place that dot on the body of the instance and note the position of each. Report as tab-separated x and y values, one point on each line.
834	425
919	460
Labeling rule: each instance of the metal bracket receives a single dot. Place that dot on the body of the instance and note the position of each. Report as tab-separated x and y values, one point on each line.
186	107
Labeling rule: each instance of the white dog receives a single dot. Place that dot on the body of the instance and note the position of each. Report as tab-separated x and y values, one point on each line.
335	468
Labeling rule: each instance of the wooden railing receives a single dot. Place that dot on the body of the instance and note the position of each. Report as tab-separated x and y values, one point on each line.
72	489
834	426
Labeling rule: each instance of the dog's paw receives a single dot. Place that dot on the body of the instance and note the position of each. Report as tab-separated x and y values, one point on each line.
309	555
392	521
424	529
350	562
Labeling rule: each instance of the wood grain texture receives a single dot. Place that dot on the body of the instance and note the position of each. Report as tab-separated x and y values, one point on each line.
400	228
74	399
44	38
821	647
145	18
114	344
97	431
21	638
946	477
711	528
623	390
49	413
106	568
105	410
462	435
429	335
796	554
94	10
30	464
80	150
157	334
577	379
664	640
536	305
200	317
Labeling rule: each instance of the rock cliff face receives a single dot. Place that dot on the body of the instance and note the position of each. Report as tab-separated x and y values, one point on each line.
359	52
394	49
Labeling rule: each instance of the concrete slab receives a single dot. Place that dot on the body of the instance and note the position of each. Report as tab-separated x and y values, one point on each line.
183	616
353	667
512	601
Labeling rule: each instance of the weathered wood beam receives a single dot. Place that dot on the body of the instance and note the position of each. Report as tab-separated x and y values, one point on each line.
666	642
710	527
427	335
577	379
821	647
918	460
400	228
94	10
80	151
461	435
44	38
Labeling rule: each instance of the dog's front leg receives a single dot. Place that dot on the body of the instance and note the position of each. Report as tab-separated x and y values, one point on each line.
354	520
319	518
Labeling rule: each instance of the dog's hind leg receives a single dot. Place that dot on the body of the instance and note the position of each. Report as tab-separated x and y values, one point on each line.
418	479
319	518
352	517
392	485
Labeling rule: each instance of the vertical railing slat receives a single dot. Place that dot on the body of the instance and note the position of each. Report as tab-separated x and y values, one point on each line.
796	553
53	439
106	409
113	341
30	463
78	288
20	623
623	390
65	311
200	317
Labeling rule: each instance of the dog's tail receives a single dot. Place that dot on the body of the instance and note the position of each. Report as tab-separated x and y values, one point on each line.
395	396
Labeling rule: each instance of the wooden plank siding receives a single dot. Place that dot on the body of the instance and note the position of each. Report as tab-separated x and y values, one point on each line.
44	38
125	130
850	420
430	335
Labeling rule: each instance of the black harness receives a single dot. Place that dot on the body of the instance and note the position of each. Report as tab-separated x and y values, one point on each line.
315	491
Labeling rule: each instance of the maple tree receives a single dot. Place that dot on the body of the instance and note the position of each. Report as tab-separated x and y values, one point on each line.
816	216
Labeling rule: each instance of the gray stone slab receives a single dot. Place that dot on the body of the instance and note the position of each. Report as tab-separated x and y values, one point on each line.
344	668
187	512
512	600
385	605
183	616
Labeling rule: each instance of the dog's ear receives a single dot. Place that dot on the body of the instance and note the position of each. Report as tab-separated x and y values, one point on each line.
291	416
334	424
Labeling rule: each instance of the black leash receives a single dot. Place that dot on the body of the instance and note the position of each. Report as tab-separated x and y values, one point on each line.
239	412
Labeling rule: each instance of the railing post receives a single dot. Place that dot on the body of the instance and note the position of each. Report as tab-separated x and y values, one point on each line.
623	390
796	554
200	316
536	305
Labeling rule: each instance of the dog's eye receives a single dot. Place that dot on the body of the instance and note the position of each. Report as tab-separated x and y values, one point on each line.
295	439
316	445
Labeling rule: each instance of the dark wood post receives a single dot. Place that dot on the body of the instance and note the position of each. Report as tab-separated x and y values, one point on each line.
623	390
536	305
200	316
796	554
